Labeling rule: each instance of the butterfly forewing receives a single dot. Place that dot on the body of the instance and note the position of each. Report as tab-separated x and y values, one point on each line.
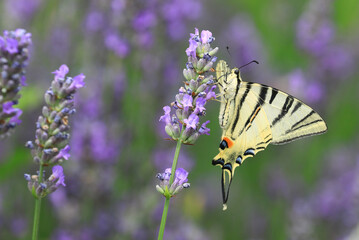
289	117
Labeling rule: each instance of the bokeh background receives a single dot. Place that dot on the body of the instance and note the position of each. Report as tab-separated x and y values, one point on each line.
133	54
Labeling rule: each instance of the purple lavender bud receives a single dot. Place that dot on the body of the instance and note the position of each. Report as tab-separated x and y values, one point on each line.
200	102
189	65
61	72
166	117
167	174
187	101
204	130
29	144
27	177
206	37
192	121
181	176
13	57
78	82
159	176
195	35
58	176
207	57
64	153
191	50
48	151
211	94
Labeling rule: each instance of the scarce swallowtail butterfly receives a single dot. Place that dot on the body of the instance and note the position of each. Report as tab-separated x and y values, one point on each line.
251	116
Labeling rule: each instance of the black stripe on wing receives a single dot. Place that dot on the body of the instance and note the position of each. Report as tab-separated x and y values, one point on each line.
301	136
273	95
296	107
305	125
245	94
286	106
257	108
303	119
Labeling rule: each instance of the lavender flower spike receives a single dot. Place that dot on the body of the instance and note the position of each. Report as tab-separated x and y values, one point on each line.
14	55
184	125
52	131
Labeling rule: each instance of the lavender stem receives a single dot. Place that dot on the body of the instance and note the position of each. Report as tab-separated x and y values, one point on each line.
35	229
167	200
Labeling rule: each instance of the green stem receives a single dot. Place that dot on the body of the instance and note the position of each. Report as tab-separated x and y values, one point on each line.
35	229
164	218
167	201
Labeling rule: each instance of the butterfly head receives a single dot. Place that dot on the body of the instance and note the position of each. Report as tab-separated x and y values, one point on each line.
228	160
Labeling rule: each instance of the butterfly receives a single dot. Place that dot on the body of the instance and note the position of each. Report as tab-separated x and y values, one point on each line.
253	115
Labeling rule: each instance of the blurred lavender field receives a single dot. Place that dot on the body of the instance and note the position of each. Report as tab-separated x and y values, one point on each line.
133	54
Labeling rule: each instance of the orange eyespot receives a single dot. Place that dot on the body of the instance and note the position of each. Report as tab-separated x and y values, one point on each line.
229	142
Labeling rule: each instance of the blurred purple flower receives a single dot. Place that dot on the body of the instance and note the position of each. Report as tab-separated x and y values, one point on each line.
63	235
177	12
296	81
19	226
314	37
14	53
117	44
315	92
58	198
60	37
144	20
101	146
22	9
95	21
334	200
337	60
145	39
118	5
244	40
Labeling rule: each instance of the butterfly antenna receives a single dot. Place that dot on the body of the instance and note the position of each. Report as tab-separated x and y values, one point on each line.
254	61
228	51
